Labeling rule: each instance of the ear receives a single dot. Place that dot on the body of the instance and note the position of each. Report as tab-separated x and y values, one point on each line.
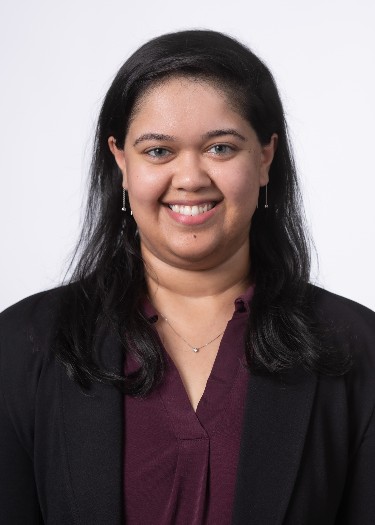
266	158
119	158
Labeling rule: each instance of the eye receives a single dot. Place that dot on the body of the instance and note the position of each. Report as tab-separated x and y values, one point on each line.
158	153
221	149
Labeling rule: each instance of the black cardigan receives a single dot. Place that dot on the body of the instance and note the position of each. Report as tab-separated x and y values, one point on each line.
308	445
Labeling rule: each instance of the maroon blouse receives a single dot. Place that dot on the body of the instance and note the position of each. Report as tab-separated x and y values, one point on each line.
180	465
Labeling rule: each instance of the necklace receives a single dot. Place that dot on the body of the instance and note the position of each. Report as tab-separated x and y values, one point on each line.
194	348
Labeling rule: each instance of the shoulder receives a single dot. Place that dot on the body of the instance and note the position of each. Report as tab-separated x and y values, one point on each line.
27	331
350	327
27	369
343	312
347	323
32	319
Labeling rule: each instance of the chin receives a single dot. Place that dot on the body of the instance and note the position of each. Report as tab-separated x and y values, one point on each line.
202	260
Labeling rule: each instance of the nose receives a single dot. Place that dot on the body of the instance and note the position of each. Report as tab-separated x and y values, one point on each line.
190	173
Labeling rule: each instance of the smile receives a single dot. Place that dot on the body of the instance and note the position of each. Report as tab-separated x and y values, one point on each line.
191	210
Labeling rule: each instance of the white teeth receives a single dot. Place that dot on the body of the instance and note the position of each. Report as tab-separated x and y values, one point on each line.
191	210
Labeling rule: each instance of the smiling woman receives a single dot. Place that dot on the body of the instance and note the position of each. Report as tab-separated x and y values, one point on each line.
194	179
189	373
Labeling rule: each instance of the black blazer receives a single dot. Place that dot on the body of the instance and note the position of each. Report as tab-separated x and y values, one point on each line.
308	445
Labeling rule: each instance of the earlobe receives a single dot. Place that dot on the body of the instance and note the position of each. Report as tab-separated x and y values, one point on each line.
267	155
119	158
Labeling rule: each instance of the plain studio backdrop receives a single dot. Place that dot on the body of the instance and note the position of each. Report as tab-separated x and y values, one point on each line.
58	59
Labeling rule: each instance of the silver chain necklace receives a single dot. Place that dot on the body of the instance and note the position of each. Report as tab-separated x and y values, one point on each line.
194	348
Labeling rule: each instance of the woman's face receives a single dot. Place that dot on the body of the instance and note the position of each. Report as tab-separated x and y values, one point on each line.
192	167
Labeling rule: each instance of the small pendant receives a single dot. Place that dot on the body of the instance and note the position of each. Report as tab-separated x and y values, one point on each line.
195	350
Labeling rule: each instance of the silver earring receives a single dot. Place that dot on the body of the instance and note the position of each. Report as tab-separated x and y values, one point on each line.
123	199
266	204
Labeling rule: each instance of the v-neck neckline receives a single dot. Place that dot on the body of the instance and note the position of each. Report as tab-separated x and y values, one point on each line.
192	424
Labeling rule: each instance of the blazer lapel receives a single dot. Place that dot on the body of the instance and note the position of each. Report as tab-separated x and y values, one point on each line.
275	425
93	434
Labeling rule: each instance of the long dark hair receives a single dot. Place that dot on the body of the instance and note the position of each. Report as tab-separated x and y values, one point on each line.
105	291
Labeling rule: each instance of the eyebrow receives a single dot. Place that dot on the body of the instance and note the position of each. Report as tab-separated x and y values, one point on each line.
154	136
170	138
221	132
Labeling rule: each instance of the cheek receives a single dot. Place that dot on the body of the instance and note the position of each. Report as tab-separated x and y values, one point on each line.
144	183
242	185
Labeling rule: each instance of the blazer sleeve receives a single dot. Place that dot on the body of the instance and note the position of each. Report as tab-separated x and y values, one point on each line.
20	366
18	496
359	496
358	501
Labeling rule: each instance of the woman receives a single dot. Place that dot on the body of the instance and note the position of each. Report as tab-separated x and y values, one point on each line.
249	393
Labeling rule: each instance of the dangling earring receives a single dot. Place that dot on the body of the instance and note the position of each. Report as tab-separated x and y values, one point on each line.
266	202
123	199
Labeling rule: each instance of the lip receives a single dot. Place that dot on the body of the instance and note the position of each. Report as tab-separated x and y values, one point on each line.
186	202
192	220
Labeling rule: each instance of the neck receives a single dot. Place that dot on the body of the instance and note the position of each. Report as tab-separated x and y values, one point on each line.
170	287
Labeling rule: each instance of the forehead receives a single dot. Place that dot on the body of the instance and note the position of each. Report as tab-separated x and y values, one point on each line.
182	80
184	102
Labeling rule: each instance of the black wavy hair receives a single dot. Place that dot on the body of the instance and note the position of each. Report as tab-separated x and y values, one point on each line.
108	282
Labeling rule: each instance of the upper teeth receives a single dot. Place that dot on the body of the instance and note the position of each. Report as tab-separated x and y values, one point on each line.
191	210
